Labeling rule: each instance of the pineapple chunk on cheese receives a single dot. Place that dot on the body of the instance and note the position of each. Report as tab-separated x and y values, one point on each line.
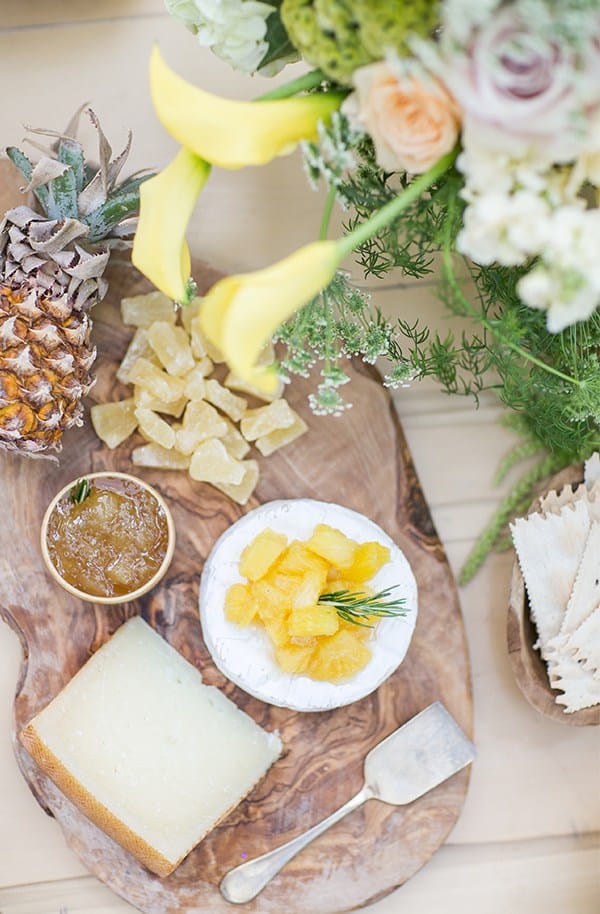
259	555
333	545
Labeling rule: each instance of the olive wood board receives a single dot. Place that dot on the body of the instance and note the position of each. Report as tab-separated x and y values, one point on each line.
528	666
360	460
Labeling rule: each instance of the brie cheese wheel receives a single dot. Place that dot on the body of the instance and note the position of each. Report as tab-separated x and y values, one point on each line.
244	653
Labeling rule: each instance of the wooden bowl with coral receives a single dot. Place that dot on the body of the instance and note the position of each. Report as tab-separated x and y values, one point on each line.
527	663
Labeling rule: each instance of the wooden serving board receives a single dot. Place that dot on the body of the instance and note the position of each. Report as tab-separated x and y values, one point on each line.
360	460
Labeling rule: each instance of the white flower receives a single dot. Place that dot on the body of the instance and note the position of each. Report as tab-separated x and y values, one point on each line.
566	295
504	228
234	29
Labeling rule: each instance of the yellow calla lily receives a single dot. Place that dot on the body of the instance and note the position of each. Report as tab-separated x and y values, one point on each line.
167	201
241	313
230	133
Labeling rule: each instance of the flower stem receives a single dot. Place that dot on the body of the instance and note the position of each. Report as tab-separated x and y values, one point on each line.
300	84
489	325
327	213
395	207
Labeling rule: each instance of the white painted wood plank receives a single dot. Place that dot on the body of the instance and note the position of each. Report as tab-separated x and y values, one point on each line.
24	14
560	876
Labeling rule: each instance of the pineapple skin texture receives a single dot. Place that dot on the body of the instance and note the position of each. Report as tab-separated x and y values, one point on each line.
45	360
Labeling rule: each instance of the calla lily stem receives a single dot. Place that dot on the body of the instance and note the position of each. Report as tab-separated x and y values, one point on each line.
395	207
327	212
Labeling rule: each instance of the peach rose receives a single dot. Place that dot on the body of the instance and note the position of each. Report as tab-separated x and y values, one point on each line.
411	117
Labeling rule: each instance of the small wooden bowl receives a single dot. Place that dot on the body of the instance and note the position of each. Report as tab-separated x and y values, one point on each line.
122	598
528	666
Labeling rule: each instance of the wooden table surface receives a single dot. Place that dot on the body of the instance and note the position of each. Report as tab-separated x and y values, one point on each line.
528	836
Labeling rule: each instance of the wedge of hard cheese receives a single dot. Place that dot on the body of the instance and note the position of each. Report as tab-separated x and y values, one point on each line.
152	755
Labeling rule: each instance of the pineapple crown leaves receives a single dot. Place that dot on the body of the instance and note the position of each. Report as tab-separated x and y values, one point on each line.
67	187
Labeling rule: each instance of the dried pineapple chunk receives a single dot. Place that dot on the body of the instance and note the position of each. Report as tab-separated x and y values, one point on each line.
114	422
368	559
172	346
333	545
259	555
240	604
234	441
223	399
145	399
187	313
201	345
143	310
259	422
155	428
338	657
242	492
139	347
161	385
194	385
201	422
279	437
211	463
310	622
154	456
234	383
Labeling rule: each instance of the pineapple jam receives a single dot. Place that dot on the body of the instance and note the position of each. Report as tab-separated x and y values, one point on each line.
112	542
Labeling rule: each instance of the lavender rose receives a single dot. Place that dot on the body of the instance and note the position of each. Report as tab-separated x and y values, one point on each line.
517	81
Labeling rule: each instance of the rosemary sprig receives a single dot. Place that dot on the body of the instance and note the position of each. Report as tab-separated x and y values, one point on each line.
80	491
354	606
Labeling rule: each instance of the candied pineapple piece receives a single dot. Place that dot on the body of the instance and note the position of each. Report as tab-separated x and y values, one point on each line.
201	422
155	428
211	463
223	399
145	399
139	347
235	383
368	559
294	658
154	456
240	604
259	555
194	386
338	657
242	492
187	313
310	589
235	442
114	422
143	310
171	345
279	437
332	545
259	422
161	385
201	345
311	621
297	560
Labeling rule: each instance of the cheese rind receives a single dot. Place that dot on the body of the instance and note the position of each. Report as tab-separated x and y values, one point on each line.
152	755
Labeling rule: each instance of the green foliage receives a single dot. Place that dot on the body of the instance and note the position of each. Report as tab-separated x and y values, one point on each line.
549	381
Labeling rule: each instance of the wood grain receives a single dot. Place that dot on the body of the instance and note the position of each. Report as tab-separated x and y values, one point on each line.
377	848
527	663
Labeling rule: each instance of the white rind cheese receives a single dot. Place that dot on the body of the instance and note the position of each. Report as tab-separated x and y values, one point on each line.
149	752
245	655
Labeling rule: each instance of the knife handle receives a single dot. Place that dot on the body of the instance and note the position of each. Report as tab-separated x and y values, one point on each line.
244	882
